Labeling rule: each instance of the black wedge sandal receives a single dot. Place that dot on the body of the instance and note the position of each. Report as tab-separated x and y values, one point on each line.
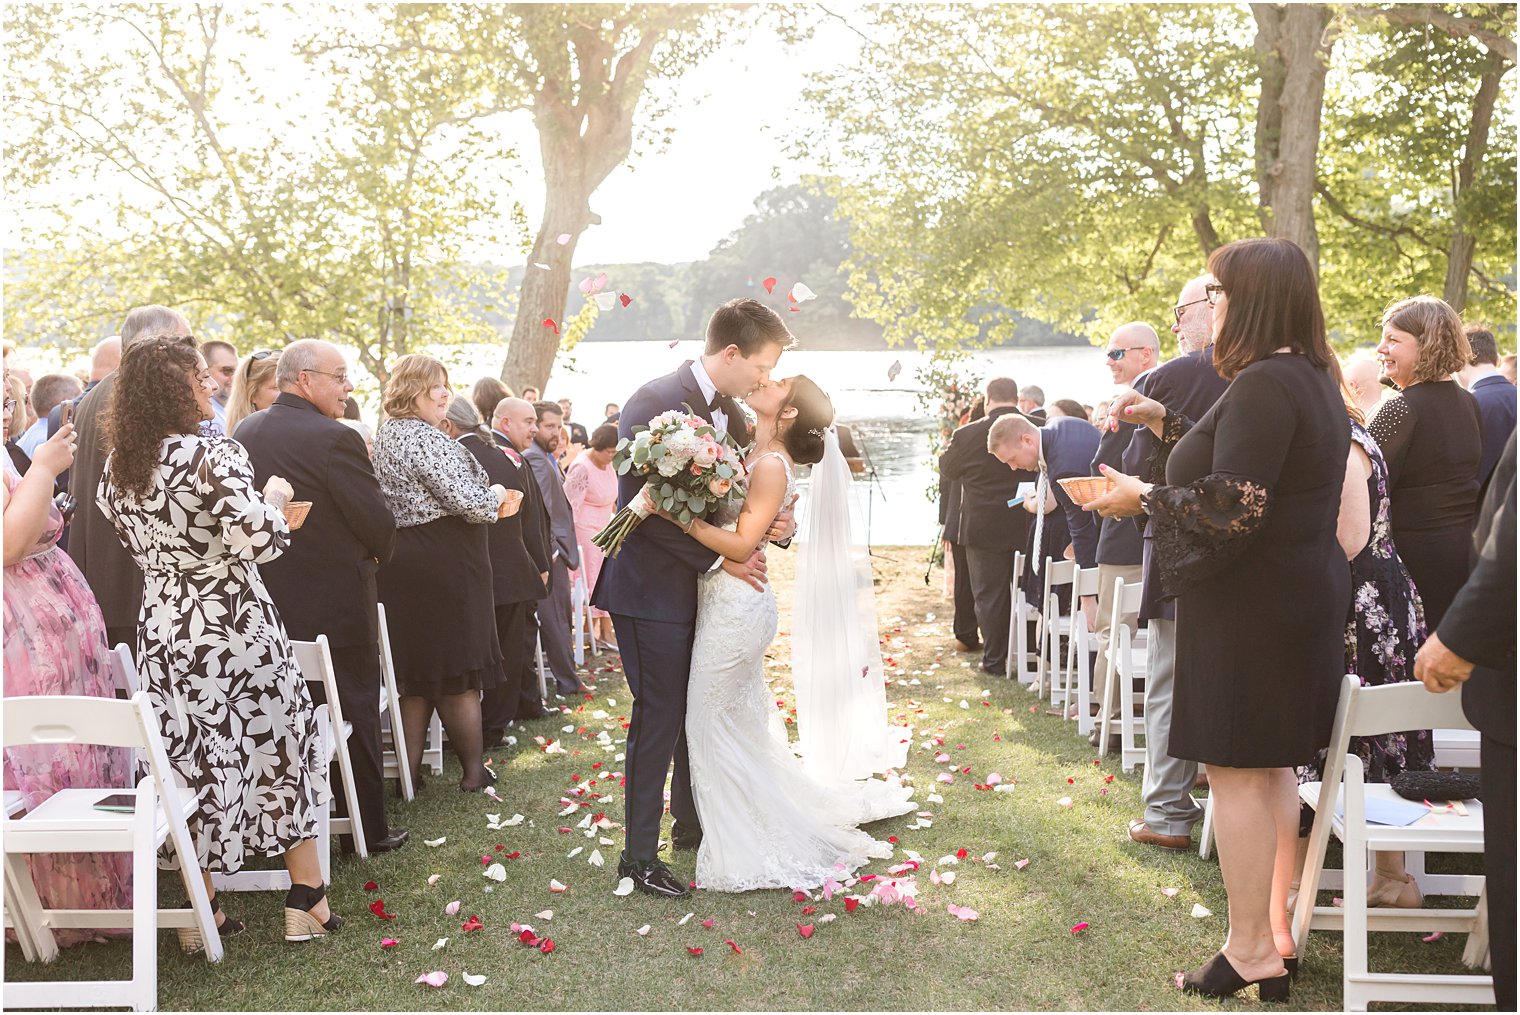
1217	978
190	940
300	925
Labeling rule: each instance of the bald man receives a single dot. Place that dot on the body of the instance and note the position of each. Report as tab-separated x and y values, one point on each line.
1133	349
1362	373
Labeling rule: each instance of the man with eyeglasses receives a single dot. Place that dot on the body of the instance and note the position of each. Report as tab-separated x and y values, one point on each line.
222	361
1190	386
324	583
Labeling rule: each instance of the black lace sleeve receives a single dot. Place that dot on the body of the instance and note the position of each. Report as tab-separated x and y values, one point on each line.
1200	528
1172	429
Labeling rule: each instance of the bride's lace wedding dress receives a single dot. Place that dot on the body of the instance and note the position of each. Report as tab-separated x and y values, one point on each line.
765	823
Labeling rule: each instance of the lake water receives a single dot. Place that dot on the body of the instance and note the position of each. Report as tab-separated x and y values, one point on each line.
885	416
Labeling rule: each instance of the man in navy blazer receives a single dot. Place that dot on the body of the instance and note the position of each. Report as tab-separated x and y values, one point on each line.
1496	400
325	582
565	555
650	587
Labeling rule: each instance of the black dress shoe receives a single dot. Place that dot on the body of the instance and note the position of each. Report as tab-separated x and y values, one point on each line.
684	837
652	877
391	842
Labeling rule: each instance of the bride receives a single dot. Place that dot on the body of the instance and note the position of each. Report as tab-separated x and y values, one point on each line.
765	822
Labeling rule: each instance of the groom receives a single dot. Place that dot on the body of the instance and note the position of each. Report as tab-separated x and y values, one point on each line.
650	587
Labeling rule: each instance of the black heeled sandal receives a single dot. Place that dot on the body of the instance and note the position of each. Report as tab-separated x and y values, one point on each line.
300	925
190	940
1217	978
1290	963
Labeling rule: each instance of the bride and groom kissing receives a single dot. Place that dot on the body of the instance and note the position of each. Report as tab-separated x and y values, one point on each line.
694	616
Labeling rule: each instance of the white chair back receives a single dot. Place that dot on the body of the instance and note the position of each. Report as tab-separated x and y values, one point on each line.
395	759
315	661
123	671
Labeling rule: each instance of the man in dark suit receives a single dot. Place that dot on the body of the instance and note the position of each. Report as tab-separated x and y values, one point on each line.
112	573
324	583
1032	402
650	587
574	432
1475	647
514	425
554	612
1496	400
1189	385
991	528
519	567
963	624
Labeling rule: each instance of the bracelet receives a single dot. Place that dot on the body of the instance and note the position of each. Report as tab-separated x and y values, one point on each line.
688	526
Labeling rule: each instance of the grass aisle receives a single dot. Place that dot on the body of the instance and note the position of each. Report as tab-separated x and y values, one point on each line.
1020	954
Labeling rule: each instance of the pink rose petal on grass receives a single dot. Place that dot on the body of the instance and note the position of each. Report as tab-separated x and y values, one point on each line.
388	942
1079	928
1021	864
452	908
1432	938
433	879
1169	892
436	978
805	929
962	912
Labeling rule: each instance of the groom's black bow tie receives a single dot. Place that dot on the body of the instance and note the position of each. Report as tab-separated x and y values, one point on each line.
716	403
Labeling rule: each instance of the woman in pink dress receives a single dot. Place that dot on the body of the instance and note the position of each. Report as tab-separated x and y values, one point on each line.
591	486
55	643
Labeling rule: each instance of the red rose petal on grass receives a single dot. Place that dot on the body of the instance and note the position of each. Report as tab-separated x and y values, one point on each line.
1079	928
770	285
805	929
694	951
809	910
850	904
528	938
388	942
736	948
707	924
1108	778
500	848
473	923
378	908
891	838
1071	782
960	854
370	886
547	945
799	896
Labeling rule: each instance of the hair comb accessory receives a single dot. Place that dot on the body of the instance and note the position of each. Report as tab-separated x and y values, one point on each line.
816	432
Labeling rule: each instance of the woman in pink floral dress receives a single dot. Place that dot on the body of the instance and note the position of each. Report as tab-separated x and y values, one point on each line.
55	643
591	486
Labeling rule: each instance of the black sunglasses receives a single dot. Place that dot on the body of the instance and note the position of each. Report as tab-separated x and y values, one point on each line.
262	354
1117	354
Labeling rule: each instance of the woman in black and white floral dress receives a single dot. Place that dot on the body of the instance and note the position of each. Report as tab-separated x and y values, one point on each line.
233	708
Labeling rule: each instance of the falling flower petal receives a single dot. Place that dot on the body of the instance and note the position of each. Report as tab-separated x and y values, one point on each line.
624	887
452	909
605	301
562	239
626	299
549	323
801	293
472	979
770	285
435	842
378	908
436	978
1199	911
674	342
894	370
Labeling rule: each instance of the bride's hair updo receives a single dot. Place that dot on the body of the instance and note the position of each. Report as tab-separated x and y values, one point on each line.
804	434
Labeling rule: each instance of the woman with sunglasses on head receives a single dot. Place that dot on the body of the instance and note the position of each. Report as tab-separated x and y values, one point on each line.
253	387
1243	506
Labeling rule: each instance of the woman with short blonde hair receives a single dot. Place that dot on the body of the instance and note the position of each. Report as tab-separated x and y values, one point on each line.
254	387
437	585
1431	437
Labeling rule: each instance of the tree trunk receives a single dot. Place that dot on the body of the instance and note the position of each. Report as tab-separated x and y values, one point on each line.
1463	243
1294	51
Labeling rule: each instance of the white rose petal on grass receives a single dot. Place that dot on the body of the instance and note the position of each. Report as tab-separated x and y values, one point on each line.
472	979
555	886
1065	801
440	944
643	931
577	851
496	872
965	703
624	887
515	819
436	842
1199	911
595	859
682	921
547	914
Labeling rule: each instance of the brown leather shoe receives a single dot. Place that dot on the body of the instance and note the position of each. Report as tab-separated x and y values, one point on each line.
1140	832
961	646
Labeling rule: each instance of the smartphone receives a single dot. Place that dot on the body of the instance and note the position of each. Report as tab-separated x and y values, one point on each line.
65	414
125	803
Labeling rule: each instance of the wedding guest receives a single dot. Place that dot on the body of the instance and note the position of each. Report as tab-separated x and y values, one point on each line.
591	488
554	612
351	409
1119	554
105	357
1067	445
1481	376
1244	520
361	428
237	721
437	585
610	413
576	433
324	583
1032	401
1383	631
1507	366
963	625
1431	436
15	422
1475	647
55	643
513	426
1069	407
515	584
487	394
50	391
1362	374
989	528
222	358
254	388
531	394
112	572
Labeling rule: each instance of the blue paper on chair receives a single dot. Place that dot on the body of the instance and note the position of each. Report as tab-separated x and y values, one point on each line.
1396	813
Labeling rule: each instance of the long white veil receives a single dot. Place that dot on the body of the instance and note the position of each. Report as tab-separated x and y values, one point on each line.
836	657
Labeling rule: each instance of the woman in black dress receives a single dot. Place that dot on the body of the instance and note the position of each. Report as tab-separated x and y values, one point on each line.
1432	440
437	586
1244	516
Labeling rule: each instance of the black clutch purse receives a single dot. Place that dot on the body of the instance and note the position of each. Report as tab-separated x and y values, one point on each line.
1437	787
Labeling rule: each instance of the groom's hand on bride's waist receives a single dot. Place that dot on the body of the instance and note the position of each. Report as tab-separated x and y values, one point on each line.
751	572
784	526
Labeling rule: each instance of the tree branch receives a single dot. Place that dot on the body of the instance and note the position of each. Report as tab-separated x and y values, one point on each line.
1409	15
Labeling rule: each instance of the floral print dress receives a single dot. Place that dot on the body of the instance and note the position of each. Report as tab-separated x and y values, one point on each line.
237	721
1384	631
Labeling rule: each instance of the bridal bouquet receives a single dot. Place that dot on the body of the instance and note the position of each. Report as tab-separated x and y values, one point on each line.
692	467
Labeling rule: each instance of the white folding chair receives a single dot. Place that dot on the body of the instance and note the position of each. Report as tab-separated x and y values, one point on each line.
1054	625
1129	665
1076	676
1457	749
543	671
395	766
1019	665
68	822
581	629
1341	810
123	671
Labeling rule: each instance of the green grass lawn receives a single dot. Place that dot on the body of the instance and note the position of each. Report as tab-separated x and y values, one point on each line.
1020	954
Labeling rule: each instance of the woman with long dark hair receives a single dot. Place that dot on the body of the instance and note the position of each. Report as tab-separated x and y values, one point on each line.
233	708
1243	504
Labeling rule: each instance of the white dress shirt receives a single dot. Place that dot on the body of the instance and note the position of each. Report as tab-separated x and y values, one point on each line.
709	392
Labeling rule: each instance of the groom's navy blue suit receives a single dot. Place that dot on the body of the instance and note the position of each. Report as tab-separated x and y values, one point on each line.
650	588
